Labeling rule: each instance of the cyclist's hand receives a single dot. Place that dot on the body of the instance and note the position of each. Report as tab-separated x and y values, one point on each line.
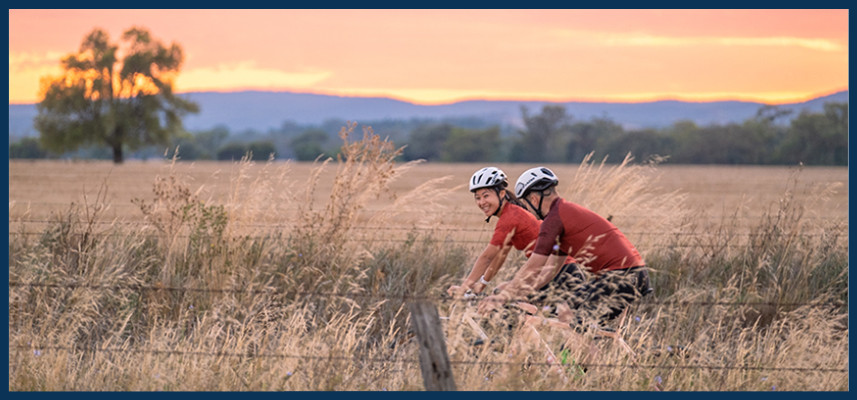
454	290
478	287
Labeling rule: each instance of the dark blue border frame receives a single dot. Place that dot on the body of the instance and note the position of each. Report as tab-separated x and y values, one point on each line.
451	4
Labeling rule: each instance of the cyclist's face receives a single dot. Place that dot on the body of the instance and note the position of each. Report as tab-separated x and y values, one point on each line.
487	200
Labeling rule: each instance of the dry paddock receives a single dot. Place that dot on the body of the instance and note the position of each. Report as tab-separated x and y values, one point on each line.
40	190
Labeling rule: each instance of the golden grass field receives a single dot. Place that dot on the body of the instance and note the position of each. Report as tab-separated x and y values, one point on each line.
748	263
39	188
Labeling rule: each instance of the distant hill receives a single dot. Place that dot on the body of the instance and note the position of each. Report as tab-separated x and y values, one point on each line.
261	111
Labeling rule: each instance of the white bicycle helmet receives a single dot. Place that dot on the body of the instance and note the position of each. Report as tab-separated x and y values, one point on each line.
487	177
538	178
535	179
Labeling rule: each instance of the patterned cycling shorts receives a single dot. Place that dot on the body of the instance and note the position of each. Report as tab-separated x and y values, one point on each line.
601	298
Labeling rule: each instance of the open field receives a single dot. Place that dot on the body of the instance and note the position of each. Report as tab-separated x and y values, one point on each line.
234	276
46	186
42	188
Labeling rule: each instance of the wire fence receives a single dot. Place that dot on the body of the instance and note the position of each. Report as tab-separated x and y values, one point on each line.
753	217
380	296
395	240
458	210
835	233
41	350
250	355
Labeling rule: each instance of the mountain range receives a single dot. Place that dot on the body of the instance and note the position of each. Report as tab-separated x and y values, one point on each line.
262	111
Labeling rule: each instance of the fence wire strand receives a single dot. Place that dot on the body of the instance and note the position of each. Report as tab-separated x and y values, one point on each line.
402	297
416	361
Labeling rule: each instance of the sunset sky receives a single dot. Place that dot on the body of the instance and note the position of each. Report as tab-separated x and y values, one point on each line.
442	56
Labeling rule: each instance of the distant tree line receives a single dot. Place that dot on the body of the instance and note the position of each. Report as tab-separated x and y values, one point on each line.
549	136
810	138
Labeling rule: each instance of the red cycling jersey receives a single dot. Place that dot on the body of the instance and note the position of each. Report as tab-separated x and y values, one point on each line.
526	228
587	236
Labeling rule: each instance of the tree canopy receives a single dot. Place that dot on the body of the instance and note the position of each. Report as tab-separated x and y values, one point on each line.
100	100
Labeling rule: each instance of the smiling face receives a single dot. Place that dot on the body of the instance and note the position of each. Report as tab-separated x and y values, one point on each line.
487	200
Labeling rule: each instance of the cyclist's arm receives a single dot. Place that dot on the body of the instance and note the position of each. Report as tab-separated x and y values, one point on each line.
482	262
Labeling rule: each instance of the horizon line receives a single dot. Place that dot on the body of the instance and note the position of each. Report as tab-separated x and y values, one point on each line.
655	99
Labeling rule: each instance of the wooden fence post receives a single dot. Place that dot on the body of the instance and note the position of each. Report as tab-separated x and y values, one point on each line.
434	361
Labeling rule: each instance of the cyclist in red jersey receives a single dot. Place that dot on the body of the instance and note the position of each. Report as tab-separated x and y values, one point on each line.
618	274
515	227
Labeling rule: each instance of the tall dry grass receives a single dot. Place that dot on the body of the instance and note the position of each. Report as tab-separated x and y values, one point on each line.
199	297
624	193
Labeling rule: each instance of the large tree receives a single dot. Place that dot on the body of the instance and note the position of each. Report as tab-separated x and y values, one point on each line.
100	100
